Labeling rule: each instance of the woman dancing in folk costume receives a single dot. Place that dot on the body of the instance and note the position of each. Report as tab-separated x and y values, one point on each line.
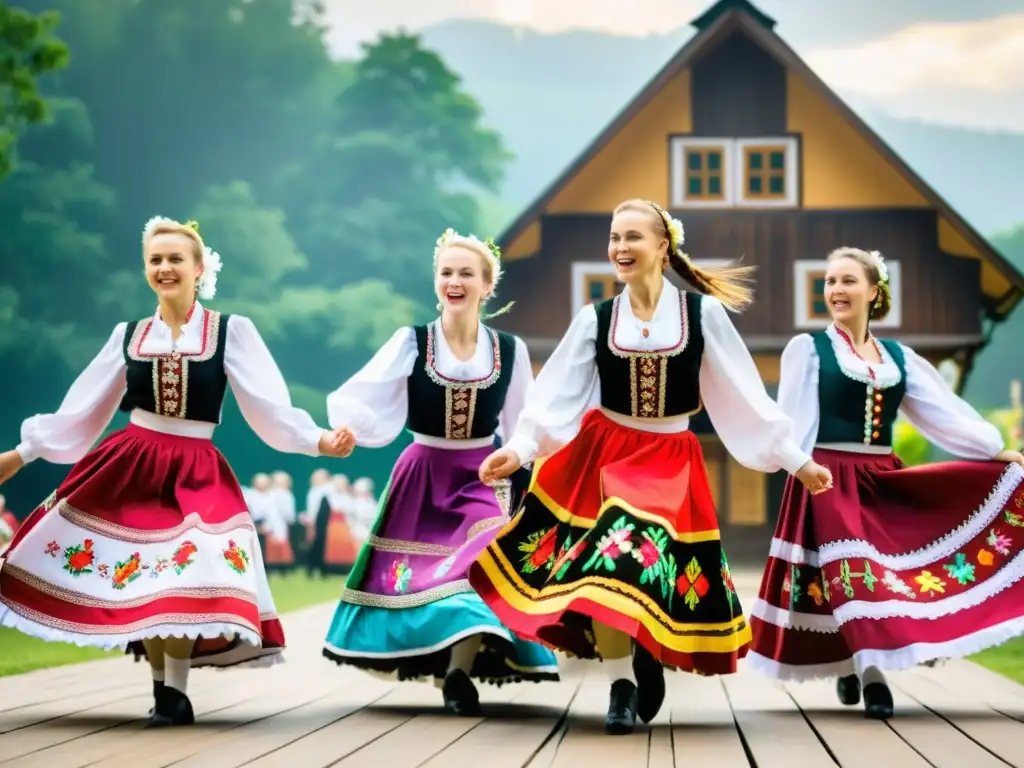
617	539
408	609
894	567
148	541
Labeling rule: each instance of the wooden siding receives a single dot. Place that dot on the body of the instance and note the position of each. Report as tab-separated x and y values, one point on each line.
941	293
738	89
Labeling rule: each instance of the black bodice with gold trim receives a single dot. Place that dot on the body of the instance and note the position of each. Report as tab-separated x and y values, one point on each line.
181	385
458	410
654	384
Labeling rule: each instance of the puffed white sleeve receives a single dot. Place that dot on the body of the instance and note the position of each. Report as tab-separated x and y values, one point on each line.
518	387
798	390
374	403
565	389
262	393
66	436
752	426
944	418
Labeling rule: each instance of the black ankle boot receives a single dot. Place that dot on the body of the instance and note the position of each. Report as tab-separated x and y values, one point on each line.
621	709
172	708
848	690
877	701
650	683
460	695
158	685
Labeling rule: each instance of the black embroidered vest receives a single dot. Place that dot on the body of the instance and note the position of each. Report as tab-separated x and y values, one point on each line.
457	410
855	410
651	385
186	386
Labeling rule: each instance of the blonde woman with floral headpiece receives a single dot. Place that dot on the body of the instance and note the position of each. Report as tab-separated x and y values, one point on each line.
894	567
617	542
408	610
147	545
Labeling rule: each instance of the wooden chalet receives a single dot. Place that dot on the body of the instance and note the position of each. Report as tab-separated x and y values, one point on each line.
761	161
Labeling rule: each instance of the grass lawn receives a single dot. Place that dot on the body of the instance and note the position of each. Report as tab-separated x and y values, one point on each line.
1006	659
21	653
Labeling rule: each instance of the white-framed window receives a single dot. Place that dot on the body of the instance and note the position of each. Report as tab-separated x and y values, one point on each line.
593	282
767	172
702	172
809	309
596	281
755	172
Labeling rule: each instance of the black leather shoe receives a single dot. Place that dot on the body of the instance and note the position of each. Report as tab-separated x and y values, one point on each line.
650	683
848	690
877	701
172	708
158	686
460	695
621	709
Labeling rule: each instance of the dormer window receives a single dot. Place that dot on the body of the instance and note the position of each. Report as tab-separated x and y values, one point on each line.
735	173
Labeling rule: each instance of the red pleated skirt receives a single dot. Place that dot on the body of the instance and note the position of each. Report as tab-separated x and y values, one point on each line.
619	527
148	536
891	568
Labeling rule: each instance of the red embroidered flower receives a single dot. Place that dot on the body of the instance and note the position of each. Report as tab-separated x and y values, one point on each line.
83	558
183	553
545	548
647	553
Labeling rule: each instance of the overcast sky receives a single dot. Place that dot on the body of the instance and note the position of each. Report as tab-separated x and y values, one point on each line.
950	61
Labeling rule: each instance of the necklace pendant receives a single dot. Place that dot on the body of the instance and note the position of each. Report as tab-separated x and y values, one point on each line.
646	332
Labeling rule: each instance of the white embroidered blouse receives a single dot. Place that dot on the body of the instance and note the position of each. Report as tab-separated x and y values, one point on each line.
750	424
929	403
66	436
374	403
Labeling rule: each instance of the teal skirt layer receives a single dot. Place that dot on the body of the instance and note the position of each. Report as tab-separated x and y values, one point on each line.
415	643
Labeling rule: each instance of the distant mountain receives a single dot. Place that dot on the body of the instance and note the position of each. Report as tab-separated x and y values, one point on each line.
550	95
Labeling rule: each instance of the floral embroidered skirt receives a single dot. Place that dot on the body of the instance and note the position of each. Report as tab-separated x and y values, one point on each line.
148	536
891	568
407	600
619	527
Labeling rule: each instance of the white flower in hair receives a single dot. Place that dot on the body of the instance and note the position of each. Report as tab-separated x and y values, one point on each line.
208	280
675	233
155	222
883	271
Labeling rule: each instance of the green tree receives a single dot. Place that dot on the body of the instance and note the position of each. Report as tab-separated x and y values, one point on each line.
404	159
1000	361
28	50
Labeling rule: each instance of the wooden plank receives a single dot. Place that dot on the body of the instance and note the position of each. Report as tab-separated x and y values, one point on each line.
772	725
428	732
586	743
999	734
704	730
850	736
254	740
513	736
936	740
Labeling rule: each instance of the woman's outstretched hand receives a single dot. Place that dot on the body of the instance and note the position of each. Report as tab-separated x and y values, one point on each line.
499	465
10	463
340	443
816	478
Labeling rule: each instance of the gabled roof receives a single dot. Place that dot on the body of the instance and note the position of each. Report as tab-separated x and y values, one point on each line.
716	24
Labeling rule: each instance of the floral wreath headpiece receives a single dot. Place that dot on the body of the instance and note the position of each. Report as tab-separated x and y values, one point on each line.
674	227
883	276
206	286
883	270
450	235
